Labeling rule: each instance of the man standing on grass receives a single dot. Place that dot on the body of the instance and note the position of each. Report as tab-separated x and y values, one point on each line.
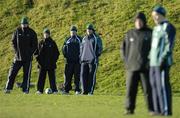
71	52
25	43
160	61
47	56
135	50
91	49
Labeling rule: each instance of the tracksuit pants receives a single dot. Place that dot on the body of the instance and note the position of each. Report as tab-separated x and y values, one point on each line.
167	92
133	78
15	67
88	77
42	79
72	69
156	85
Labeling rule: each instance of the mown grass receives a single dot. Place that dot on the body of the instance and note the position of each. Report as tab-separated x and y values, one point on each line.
112	18
17	105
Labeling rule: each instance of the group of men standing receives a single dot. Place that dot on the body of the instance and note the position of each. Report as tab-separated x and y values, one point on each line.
148	57
81	59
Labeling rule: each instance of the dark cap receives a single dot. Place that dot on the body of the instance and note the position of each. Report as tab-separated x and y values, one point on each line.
90	27
24	20
73	28
141	15
159	9
46	30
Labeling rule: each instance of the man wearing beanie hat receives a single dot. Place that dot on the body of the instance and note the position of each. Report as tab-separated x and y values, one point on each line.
91	49
24	41
160	61
47	56
71	51
135	49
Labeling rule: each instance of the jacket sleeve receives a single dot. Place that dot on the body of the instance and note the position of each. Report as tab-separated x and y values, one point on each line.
37	52
14	41
34	43
124	48
64	49
81	47
56	51
166	49
99	46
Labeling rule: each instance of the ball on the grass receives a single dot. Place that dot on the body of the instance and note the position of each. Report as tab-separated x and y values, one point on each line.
48	91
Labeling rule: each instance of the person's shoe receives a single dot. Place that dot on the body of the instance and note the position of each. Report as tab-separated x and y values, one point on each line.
7	91
77	93
55	92
25	92
129	112
39	93
90	94
64	93
18	85
154	114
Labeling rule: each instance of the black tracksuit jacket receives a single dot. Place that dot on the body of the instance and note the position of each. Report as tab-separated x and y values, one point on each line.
71	49
24	43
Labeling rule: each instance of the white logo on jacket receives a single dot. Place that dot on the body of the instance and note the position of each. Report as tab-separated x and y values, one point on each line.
131	39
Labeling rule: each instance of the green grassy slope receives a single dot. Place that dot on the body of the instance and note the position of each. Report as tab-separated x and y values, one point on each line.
112	18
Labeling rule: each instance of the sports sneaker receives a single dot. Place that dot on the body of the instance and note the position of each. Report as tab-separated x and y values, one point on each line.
64	93
55	92
90	94
7	91
129	112
77	93
38	92
25	92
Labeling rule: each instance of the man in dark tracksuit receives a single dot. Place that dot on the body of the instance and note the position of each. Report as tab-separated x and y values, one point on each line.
24	42
71	52
91	49
161	59
135	50
47	56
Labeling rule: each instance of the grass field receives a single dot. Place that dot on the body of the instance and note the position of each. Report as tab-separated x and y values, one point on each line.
18	105
112	18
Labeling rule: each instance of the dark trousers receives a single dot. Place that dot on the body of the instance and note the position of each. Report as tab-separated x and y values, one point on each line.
42	79
156	85
72	69
133	78
167	92
15	67
88	77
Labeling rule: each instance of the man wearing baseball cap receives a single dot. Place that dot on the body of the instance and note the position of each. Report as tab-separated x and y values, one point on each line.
161	60
90	51
71	52
24	42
